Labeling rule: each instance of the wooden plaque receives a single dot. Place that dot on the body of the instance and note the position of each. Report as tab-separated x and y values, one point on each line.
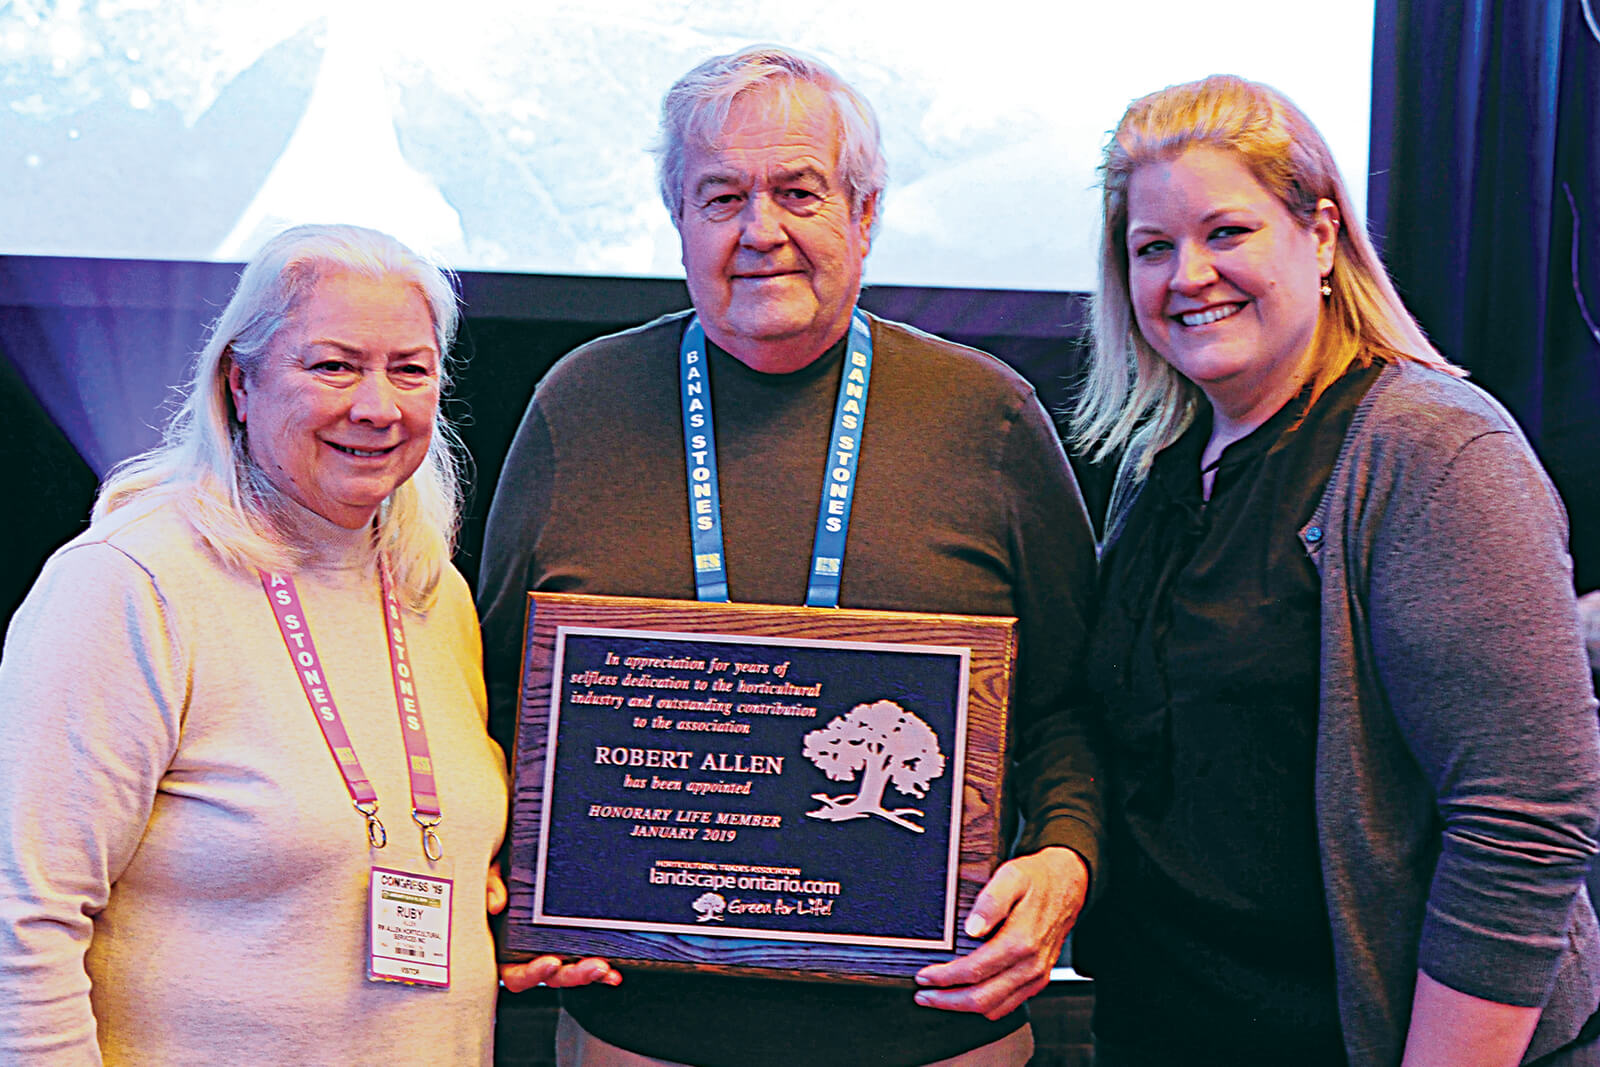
808	793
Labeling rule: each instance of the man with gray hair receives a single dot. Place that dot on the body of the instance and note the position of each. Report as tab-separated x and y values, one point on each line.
963	503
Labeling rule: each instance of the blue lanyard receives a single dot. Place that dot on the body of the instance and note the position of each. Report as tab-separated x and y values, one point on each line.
838	484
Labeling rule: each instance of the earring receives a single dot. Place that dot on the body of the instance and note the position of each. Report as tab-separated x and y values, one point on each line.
1327	290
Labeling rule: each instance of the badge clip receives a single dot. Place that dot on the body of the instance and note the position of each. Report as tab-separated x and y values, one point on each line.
377	836
432	847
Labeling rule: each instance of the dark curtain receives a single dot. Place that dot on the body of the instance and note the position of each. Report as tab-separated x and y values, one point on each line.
1485	199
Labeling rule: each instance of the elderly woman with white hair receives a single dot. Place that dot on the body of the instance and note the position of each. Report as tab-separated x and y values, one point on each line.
222	698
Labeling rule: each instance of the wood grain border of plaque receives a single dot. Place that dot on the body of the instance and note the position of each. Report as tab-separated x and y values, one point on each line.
986	650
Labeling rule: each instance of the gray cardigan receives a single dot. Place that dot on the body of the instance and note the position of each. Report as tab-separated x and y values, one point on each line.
1458	762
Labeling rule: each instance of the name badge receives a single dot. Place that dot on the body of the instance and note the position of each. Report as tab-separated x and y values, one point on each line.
409	929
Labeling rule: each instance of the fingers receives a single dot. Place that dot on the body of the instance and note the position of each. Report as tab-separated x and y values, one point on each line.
996	900
552	972
993	979
495	895
994	999
519	976
1027	909
1589	617
586	972
1008	949
544	970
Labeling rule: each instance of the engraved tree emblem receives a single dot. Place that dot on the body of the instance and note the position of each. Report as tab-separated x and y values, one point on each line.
885	744
709	906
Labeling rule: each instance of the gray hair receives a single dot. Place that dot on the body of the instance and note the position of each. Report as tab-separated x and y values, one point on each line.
696	109
204	462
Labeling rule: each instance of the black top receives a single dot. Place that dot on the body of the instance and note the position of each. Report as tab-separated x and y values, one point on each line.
1206	658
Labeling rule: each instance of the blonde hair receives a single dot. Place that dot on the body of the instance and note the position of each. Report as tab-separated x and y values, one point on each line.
204	466
1131	397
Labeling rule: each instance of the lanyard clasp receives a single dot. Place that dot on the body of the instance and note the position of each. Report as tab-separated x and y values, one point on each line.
377	836
432	847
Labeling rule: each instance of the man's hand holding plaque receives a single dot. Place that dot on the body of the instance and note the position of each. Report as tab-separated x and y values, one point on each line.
1025	913
550	971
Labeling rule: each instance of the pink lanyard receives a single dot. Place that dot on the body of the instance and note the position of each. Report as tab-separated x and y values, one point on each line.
285	601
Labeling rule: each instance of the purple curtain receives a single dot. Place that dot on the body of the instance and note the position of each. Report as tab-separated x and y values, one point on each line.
1485	198
102	344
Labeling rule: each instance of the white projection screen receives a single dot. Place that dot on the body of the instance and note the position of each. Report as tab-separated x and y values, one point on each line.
513	136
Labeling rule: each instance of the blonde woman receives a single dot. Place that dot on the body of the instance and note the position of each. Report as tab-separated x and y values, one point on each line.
1354	764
